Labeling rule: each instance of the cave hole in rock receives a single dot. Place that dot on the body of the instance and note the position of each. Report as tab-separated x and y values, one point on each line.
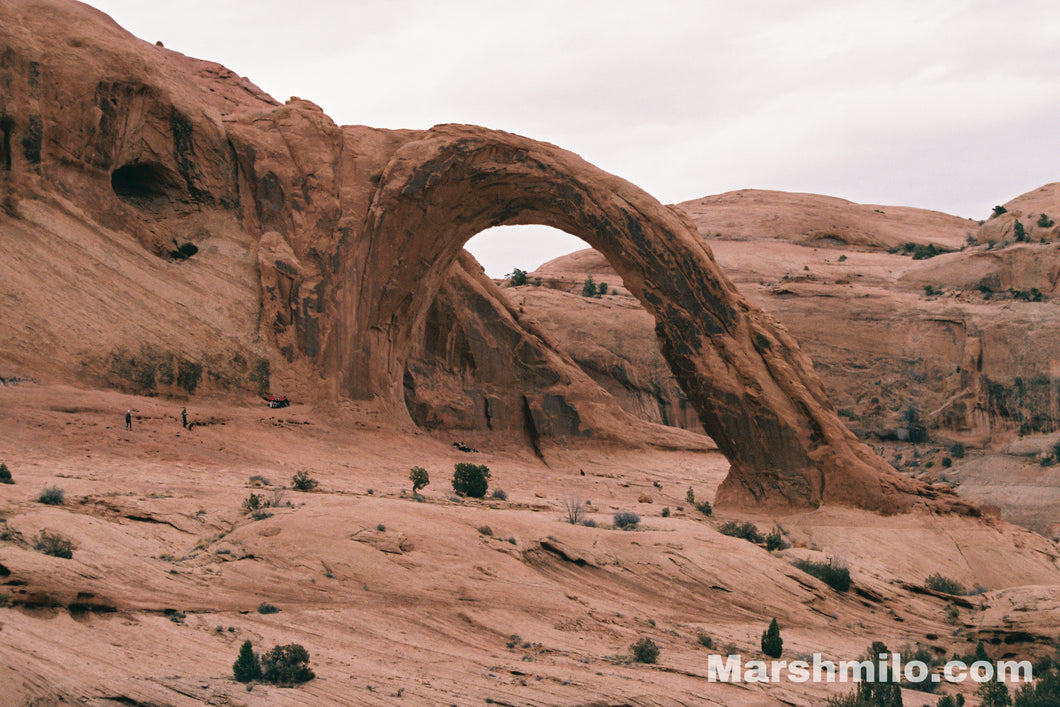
144	184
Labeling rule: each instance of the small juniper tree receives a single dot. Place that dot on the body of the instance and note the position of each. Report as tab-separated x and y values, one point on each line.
516	277
247	666
772	643
1019	232
645	651
286	665
419	478
471	480
994	694
589	287
601	289
5	474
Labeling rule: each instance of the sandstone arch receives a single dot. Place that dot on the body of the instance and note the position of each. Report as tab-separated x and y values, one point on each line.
754	390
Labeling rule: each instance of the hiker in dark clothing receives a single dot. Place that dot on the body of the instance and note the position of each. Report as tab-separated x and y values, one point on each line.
184	417
128	419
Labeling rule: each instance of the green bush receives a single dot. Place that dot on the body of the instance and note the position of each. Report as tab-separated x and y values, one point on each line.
772	643
931	291
994	694
601	289
665	512
645	651
1045	222
832	573
53	544
471	480
303	481
419	478
626	520
267	608
5	474
1019	232
516	277
923	252
736	529
499	494
286	665
589	287
705	508
247	666
775	541
998	210
957	451
705	640
947	462
51	496
937	583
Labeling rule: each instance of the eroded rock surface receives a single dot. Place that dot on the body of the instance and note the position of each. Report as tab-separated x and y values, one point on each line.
189	161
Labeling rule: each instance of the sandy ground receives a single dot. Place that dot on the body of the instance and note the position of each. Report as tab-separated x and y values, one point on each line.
406	602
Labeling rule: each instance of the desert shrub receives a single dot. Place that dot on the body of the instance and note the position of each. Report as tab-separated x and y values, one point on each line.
303	481
471	479
832	573
705	508
925	656
994	694
516	277
247	666
1019	232
666	512
5	474
931	291
485	530
924	252
947	462
645	651
419	478
842	258
589	287
381	528
499	494
736	529
253	502
601	289
258	480
51	496
705	640
937	583
53	544
286	665
998	210
690	496
775	540
589	523
267	608
1045	222
957	450
772	643
950	701
626	520
575	509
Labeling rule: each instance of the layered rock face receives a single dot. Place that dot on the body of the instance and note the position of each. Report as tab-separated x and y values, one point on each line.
350	234
963	342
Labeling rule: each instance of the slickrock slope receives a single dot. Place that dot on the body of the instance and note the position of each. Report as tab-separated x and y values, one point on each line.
397	600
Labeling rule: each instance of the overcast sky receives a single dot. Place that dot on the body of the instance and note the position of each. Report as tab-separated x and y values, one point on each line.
941	104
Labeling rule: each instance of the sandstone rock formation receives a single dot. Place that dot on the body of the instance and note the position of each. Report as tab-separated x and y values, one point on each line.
354	231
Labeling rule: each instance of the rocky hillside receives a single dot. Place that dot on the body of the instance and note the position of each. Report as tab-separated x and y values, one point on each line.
913	318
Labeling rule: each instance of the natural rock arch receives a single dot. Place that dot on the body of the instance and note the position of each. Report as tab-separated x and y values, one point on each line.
754	390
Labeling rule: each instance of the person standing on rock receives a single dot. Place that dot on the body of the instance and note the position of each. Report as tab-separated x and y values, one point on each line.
184	418
128	419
